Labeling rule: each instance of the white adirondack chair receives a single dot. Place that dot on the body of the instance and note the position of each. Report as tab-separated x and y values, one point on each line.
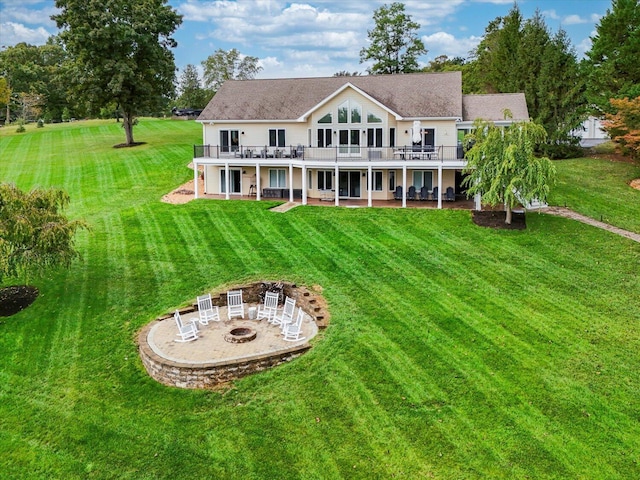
207	311
270	306
286	316
235	307
292	331
186	332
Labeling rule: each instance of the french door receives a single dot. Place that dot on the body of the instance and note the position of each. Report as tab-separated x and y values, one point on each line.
235	181
349	184
349	142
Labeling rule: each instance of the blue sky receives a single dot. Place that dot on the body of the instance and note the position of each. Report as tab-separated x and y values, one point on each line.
318	38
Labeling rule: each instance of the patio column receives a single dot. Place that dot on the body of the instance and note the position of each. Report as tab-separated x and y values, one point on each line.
440	185
290	182
369	182
304	184
195	180
404	185
227	183
336	186
257	181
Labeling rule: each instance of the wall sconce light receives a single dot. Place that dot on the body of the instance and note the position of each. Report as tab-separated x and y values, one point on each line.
244	172
242	133
364	174
406	132
335	132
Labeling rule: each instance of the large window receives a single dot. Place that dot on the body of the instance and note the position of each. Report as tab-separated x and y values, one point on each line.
229	141
277	178
276	137
349	112
325	180
423	178
326	119
377	180
392	180
373	118
374	137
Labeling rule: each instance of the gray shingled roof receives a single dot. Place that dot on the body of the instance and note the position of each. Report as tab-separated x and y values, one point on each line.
490	107
409	95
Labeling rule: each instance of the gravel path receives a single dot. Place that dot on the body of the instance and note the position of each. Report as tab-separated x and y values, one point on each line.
567	213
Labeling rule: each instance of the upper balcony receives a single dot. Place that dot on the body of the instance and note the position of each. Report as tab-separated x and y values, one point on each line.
333	154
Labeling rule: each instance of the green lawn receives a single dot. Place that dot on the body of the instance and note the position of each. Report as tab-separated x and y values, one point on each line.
453	351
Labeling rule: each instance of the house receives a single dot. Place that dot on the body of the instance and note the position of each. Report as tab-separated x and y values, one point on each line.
360	137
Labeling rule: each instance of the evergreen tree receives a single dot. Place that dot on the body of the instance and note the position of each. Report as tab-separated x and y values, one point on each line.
192	95
395	46
612	65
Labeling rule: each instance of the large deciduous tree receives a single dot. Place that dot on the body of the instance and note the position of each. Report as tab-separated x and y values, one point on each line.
34	233
394	44
612	64
226	65
121	52
502	166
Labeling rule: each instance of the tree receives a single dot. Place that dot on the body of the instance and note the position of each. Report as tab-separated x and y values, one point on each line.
346	73
612	65
519	55
624	126
442	63
192	95
34	234
228	65
5	96
394	45
121	53
501	165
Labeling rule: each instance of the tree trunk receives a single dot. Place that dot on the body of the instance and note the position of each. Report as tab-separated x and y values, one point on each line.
7	120
507	219
127	124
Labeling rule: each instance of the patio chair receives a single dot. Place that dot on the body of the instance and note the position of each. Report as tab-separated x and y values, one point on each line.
411	194
397	195
286	317
186	332
207	311
235	307
424	193
450	195
292	331
270	306
434	194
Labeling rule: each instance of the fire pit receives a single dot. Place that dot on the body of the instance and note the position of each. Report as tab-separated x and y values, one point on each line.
240	335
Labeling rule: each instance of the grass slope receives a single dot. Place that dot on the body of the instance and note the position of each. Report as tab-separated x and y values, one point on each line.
454	351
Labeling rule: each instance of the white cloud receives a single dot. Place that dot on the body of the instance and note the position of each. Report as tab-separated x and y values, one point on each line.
574	20
14	33
550	14
443	43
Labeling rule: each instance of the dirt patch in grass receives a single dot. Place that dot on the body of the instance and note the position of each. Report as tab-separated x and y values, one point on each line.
635	183
15	298
495	219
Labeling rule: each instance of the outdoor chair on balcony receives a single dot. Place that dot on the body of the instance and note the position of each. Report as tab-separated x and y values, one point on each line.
411	194
424	193
292	332
434	194
235	307
286	317
397	195
207	312
270	306
450	194
186	332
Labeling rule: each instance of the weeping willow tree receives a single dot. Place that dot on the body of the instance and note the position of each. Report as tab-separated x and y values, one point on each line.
502	167
34	233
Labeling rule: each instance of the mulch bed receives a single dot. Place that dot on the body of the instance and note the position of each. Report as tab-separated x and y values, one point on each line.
16	298
495	219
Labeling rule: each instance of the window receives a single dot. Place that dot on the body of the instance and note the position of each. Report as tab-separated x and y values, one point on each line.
392	137
343	113
229	141
349	112
277	178
324	137
326	119
392	180
325	179
356	114
377	181
423	178
276	137
373	118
